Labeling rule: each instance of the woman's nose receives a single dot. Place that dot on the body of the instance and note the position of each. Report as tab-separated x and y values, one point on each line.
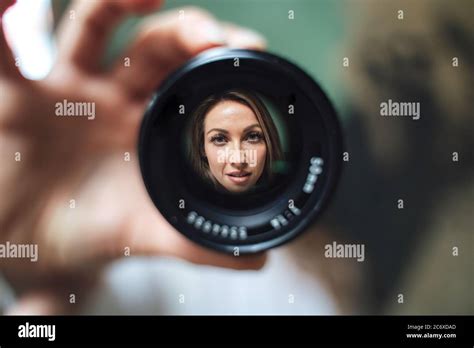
236	155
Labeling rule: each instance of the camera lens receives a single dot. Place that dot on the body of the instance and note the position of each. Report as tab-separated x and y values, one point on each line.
240	150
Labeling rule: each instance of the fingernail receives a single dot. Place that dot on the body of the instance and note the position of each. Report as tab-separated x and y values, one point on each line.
213	32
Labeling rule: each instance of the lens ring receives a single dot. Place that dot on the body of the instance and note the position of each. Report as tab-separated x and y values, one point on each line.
267	219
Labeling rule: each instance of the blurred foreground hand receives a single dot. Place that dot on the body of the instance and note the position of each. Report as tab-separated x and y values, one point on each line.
65	182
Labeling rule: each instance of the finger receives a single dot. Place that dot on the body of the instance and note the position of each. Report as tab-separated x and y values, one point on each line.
164	42
7	62
239	37
169	39
86	26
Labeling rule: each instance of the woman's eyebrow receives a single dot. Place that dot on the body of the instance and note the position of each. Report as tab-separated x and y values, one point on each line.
227	132
218	130
252	126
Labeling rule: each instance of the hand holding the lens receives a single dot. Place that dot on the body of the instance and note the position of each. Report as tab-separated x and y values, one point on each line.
66	182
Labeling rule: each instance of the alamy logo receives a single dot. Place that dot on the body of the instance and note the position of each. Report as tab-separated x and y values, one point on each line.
37	331
237	156
391	108
20	251
67	108
345	251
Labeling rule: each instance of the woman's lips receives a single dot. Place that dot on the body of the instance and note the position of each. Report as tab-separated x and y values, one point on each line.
239	177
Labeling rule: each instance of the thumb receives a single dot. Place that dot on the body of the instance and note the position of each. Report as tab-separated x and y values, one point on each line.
148	233
151	234
115	218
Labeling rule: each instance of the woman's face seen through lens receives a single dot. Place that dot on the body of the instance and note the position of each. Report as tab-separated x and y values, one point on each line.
234	145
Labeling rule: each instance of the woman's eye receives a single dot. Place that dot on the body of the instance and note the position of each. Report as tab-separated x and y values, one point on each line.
254	137
218	140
